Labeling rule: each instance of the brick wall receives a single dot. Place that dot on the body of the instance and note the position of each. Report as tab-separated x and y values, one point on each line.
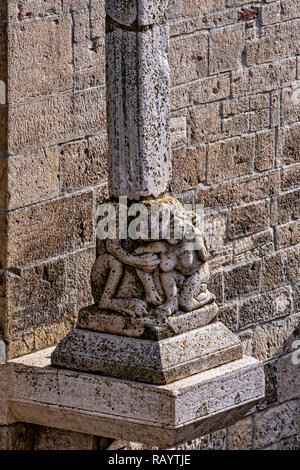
235	120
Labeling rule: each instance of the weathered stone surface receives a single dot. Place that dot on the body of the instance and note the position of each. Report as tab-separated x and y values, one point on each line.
264	77
259	187
290	177
248	219
157	362
218	196
273	275
95	319
226	47
16	437
241	280
275	424
289	378
40	58
275	338
56	119
240	435
189	167
288	234
142	12
289	145
288	206
257	245
184	410
263	308
188	58
205	123
32	178
138	115
63	224
264	150
234	157
276	42
56	439
271	385
83	163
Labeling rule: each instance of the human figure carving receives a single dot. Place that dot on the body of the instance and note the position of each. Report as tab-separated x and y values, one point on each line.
183	272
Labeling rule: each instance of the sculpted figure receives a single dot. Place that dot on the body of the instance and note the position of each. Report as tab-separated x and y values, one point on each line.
173	272
107	274
183	272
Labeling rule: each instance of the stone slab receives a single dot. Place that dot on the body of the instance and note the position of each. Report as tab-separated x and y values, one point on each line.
159	415
143	360
95	319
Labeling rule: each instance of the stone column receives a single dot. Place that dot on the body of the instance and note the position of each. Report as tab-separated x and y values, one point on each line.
137	98
154	321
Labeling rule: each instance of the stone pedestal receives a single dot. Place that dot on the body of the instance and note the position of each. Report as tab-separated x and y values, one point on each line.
154	361
158	415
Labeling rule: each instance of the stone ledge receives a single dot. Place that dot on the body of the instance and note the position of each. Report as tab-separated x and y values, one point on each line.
160	415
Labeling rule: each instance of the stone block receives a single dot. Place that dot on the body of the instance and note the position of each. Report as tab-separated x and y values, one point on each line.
290	177
265	145
81	25
83	163
271	386
32	178
259	187
163	416
228	315
240	435
248	219
289	378
189	168
97	13
188	58
275	424
158	362
218	196
34	9
257	245
63	225
263	77
230	158
288	206
17	436
241	280
289	145
57	439
290	105
291	264
275	338
259	112
56	119
276	42
273	275
266	307
205	122
288	234
40	58
226	46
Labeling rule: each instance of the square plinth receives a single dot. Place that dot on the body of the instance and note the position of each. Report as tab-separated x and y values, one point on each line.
158	415
157	362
